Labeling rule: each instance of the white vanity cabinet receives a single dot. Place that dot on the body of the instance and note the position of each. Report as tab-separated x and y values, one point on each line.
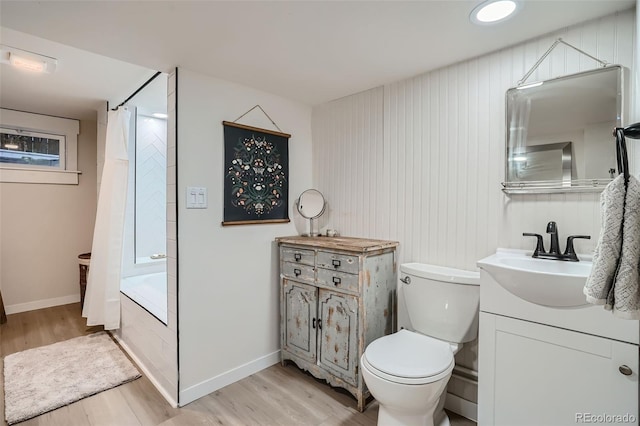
337	295
540	365
534	374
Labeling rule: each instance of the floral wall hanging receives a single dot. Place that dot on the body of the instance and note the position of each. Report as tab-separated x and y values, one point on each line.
256	184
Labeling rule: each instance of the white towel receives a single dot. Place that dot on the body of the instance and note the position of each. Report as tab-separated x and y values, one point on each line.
607	253
615	277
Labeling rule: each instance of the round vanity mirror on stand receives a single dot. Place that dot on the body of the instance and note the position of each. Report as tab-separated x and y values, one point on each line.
311	205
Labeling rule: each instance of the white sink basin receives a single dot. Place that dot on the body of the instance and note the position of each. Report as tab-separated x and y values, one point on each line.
545	282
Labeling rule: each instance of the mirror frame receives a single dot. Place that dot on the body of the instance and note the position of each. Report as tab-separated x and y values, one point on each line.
585	185
311	232
308	191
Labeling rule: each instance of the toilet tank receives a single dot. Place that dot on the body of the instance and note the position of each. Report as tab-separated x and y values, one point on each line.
441	302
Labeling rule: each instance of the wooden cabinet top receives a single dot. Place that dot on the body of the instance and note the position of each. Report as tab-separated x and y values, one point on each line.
351	244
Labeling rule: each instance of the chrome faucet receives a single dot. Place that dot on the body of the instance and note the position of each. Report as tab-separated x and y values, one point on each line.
554	251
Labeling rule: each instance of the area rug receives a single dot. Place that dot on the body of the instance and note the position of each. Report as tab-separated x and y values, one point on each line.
49	377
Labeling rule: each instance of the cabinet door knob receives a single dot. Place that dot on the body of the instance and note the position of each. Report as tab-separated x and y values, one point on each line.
297	272
624	369
297	257
336	281
335	263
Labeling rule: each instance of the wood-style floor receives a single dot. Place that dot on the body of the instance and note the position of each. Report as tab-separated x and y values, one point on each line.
275	396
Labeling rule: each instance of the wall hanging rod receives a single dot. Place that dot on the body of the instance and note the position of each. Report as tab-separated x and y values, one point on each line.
555	43
137	91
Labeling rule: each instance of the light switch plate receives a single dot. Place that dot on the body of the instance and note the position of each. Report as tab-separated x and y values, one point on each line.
196	197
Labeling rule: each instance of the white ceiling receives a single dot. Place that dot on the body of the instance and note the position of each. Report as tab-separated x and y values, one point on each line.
310	51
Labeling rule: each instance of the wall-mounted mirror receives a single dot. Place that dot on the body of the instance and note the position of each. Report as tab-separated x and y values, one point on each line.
311	205
559	132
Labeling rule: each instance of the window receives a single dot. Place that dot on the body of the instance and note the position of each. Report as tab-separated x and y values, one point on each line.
37	148
21	148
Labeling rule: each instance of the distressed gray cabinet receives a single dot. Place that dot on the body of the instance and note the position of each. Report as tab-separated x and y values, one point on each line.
337	295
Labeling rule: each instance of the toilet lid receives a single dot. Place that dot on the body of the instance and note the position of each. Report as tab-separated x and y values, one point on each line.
409	355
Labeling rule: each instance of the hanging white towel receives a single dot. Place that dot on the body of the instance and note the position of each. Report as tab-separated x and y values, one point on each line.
607	254
625	298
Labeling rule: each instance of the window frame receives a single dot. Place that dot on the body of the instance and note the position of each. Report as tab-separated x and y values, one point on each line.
62	150
47	125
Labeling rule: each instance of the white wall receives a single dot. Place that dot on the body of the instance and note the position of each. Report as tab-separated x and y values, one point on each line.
421	160
228	276
43	228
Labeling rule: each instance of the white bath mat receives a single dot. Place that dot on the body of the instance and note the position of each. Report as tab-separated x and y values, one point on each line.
45	378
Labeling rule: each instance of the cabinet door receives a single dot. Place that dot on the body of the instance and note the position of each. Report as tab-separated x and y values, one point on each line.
338	337
299	307
533	374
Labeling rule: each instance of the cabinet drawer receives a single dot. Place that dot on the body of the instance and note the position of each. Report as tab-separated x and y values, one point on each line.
305	257
338	262
298	271
339	280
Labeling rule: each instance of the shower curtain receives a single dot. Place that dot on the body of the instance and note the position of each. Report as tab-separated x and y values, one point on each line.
102	299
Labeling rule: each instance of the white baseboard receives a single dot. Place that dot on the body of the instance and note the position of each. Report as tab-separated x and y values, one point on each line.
40	304
213	384
461	406
146	371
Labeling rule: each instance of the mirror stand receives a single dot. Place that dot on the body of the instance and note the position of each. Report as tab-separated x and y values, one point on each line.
311	231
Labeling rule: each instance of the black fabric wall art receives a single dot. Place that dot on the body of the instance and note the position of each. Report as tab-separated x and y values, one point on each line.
256	183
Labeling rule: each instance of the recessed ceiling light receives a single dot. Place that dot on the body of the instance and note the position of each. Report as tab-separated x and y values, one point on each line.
492	11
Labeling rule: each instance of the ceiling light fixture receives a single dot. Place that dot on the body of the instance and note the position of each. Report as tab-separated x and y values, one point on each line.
493	11
28	61
160	115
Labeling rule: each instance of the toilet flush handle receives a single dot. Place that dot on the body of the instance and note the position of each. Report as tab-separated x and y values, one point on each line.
406	280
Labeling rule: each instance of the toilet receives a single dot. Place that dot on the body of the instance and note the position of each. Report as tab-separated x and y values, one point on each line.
407	372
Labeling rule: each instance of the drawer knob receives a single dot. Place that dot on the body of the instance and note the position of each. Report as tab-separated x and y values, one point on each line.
335	263
297	272
337	281
297	257
624	369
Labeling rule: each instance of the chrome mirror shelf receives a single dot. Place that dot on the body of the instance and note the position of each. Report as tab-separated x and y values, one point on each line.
551	186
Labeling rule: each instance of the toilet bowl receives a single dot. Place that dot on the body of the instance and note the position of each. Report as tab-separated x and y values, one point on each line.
408	371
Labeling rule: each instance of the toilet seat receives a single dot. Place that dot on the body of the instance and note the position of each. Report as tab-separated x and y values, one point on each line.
409	358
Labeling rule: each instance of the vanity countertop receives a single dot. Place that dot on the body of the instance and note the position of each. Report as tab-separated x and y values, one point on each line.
351	244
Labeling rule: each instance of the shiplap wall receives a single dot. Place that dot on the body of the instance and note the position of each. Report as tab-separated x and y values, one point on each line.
421	160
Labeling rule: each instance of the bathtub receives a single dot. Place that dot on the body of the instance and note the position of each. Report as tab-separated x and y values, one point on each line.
149	291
